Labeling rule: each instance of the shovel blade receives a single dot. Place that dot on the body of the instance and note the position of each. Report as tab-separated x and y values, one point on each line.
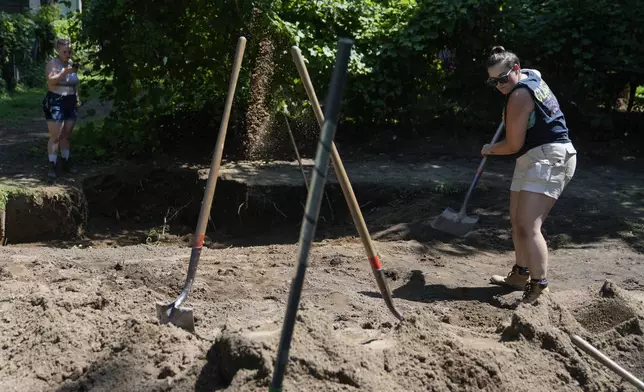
452	222
179	316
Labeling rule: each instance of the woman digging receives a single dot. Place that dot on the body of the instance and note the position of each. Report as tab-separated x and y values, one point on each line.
536	131
60	104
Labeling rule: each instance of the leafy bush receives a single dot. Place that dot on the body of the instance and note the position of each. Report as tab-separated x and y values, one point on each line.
590	53
417	65
16	37
33	75
26	40
591	48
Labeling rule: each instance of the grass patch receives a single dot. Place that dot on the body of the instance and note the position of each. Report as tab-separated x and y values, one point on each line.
10	189
32	189
20	105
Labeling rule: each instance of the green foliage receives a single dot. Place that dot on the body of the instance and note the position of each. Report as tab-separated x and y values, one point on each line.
33	76
20	104
16	34
590	50
398	77
163	64
45	31
26	40
416	65
94	141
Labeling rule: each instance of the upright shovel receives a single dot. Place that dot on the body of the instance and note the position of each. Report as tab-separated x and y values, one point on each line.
173	312
312	210
459	223
347	189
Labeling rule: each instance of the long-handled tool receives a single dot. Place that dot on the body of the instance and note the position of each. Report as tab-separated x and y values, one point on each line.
173	312
347	189
297	153
313	203
299	160
459	223
609	363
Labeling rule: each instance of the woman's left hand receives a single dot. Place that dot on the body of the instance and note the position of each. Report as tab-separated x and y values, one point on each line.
78	103
486	150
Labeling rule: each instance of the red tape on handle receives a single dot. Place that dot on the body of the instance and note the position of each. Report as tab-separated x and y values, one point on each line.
199	242
375	262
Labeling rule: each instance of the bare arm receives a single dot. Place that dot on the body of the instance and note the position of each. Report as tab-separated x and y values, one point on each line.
520	105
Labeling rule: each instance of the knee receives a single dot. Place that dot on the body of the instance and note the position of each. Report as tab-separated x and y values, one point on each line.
526	228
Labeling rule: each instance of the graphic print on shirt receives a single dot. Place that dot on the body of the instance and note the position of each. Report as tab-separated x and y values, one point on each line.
547	98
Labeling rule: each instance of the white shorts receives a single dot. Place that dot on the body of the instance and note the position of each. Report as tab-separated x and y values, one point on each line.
545	169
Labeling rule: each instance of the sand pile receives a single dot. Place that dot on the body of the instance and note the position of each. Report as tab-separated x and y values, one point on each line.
75	334
71	327
423	353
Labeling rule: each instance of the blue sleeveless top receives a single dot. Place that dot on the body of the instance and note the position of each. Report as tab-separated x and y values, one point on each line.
546	123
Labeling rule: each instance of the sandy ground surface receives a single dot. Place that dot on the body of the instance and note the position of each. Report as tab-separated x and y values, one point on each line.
83	318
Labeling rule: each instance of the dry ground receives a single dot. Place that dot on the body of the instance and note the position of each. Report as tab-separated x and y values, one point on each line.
83	318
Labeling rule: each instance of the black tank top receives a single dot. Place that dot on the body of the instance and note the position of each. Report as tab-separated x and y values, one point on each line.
546	123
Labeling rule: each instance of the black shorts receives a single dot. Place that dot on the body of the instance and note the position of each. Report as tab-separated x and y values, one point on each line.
58	107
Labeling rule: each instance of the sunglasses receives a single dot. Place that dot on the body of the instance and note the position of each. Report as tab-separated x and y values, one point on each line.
492	82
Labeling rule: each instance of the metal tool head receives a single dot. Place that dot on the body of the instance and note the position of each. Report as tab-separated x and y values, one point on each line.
180	316
455	223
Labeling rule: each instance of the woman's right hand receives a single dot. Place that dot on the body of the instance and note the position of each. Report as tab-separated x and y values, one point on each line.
67	70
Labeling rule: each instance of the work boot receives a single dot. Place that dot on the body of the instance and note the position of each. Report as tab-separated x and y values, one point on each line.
533	290
68	167
51	173
516	279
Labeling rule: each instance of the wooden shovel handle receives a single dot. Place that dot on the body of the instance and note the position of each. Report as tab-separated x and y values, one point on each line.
347	189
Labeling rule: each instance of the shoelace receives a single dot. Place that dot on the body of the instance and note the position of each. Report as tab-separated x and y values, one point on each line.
514	271
528	290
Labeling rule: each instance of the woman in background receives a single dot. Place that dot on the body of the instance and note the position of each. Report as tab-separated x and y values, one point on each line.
60	104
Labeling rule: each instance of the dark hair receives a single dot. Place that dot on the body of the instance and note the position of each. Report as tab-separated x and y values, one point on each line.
500	55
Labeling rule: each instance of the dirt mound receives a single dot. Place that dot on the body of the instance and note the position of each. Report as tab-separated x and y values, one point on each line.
611	321
76	331
76	320
616	321
423	353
